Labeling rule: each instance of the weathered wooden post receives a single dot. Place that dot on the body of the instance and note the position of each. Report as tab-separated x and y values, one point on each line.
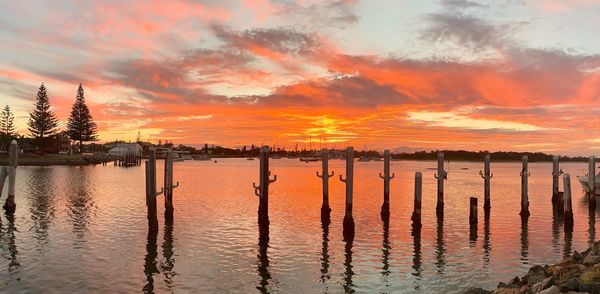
385	207
13	161
592	180
348	229
262	190
568	209
416	215
556	172
441	175
151	192
473	219
524	194
325	209
487	176
168	184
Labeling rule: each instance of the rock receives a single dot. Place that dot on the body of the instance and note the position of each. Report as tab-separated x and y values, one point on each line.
570	285
535	277
577	256
593	287
535	269
596	248
591	259
592	274
473	290
544	284
551	290
506	291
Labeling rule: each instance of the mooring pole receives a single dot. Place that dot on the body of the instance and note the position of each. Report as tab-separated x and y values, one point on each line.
592	180
441	175
487	176
168	186
524	194
416	215
568	208
385	207
13	161
151	192
348	229
556	172
325	209
262	190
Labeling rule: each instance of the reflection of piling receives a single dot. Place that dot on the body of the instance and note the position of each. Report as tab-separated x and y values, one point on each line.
473	219
416	216
11	171
385	207
263	258
592	181
385	250
568	208
150	263
168	186
349	181
325	251
524	193
524	240
591	225
556	172
441	175
487	176
325	209
487	247
349	272
416	233
262	190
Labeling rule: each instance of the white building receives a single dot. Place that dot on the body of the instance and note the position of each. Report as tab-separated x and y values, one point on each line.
125	148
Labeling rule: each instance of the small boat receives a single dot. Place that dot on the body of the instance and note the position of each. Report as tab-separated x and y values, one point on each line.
177	159
309	159
376	159
202	157
275	156
584	180
186	157
250	158
364	159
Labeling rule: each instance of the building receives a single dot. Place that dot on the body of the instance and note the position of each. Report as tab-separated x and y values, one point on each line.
125	148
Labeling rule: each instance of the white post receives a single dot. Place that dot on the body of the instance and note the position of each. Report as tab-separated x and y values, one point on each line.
487	176
385	208
524	194
556	172
568	209
440	176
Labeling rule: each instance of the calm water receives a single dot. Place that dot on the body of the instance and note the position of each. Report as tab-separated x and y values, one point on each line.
83	229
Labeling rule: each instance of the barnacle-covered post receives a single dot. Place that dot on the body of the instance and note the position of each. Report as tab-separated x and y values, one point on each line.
348	229
11	171
568	208
385	207
524	193
592	180
487	176
556	172
151	192
262	190
416	215
168	186
441	175
325	175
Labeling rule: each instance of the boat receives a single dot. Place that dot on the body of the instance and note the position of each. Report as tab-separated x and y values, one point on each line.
250	158
309	159
364	159
177	159
202	157
584	180
186	157
376	159
275	156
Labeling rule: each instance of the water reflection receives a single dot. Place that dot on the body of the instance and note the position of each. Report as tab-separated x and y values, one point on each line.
385	252
41	184
592	225
568	243
325	276
349	272
487	246
79	203
150	263
440	249
556	224
167	247
263	259
8	247
524	240
416	233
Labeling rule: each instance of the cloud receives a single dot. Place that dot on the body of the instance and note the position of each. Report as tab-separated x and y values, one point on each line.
453	120
339	14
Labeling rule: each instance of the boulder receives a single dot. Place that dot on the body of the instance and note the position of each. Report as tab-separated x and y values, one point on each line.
570	285
577	256
473	290
544	284
593	287
591	259
551	290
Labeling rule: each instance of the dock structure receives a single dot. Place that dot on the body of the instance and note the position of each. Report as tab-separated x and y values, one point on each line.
441	176
385	207
262	190
487	176
325	175
348	229
10	172
524	192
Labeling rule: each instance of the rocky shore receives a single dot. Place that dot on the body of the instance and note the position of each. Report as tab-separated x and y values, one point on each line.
579	273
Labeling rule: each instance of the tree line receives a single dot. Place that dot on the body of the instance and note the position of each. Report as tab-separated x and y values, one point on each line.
43	124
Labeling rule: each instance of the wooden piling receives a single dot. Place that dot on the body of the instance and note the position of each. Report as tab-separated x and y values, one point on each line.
568	208
385	207
592	181
348	229
13	157
325	209
524	193
487	176
168	184
151	192
416	215
262	190
556	172
441	175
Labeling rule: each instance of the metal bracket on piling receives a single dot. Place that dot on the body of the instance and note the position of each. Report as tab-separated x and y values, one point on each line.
445	176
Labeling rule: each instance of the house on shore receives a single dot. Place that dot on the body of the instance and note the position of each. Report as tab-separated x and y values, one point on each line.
125	148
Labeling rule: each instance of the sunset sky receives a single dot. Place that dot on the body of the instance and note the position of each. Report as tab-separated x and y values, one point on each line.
405	75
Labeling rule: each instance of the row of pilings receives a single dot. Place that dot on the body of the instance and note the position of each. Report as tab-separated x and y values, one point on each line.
561	200
166	190
128	159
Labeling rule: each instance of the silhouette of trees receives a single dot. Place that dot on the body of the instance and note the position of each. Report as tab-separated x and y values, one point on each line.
7	123
81	126
42	121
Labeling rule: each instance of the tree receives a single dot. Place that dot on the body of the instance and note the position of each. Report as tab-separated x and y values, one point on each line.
42	121
81	126
7	123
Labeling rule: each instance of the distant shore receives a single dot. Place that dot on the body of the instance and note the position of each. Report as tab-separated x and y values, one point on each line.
56	159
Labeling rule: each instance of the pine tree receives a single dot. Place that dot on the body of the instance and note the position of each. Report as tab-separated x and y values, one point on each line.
7	123
42	121
81	126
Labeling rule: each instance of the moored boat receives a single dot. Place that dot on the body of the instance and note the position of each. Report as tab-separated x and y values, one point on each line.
584	181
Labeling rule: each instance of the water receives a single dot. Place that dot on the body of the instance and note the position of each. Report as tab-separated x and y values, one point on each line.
84	229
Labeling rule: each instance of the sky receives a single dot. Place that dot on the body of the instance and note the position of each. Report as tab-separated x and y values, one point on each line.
512	75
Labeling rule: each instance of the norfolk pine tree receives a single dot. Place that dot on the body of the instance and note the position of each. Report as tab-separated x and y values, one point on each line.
7	123
42	121
81	126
